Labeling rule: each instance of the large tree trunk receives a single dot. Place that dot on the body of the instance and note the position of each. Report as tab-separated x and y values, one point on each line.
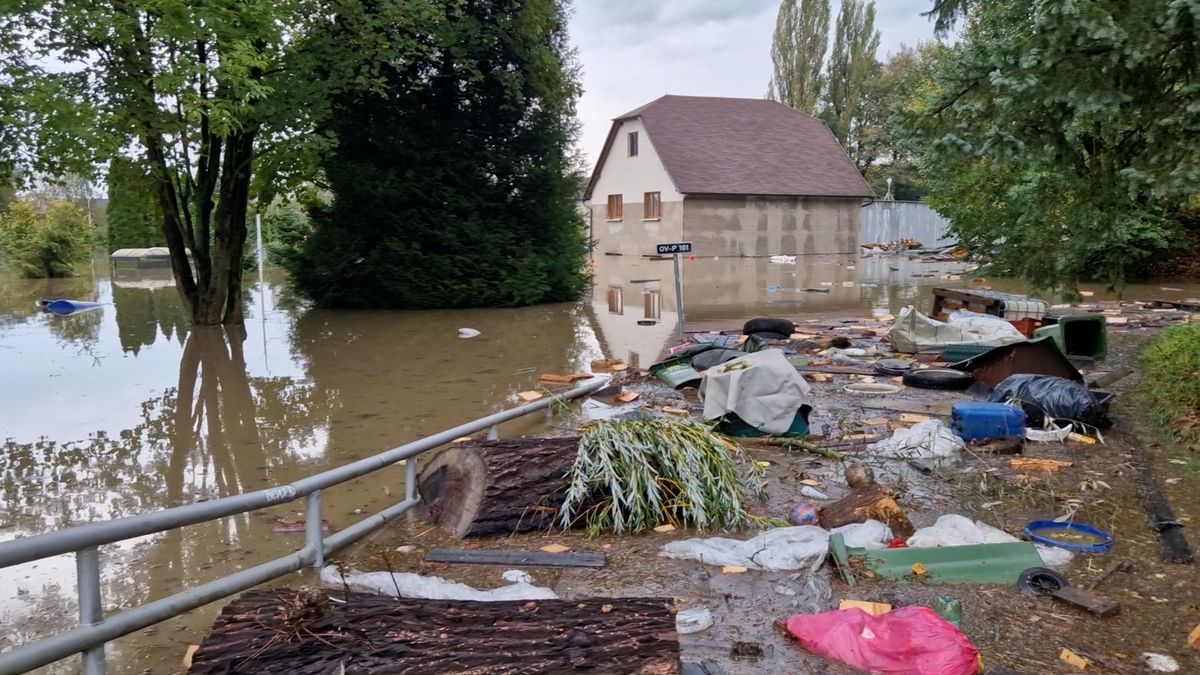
498	487
302	632
213	294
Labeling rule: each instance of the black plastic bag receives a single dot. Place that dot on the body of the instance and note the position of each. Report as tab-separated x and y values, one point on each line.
1041	395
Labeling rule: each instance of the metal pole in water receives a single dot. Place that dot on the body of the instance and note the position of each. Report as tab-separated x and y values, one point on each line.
91	608
258	245
678	294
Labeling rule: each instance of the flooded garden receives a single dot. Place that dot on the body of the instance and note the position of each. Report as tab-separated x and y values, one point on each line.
127	408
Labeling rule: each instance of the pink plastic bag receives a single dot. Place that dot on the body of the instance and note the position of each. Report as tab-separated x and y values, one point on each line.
907	641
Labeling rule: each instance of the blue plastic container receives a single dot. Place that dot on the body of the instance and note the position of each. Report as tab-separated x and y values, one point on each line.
985	421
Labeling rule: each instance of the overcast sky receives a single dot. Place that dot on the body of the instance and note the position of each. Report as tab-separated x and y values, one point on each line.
634	51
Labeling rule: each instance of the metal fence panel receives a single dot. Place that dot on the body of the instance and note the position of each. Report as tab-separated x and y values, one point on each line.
892	221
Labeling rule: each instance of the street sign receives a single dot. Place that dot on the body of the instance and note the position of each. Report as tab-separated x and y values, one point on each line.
672	249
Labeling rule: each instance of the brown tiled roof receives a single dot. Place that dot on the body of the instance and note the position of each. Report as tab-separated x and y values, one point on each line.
743	146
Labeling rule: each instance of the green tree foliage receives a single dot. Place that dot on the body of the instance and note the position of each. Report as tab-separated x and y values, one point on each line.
1059	136
452	185
286	226
882	152
852	64
48	244
798	53
133	215
209	91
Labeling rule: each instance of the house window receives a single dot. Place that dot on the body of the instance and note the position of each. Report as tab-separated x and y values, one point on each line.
614	207
633	138
652	206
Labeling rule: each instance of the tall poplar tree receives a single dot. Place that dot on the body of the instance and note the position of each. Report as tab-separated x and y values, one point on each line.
852	63
798	53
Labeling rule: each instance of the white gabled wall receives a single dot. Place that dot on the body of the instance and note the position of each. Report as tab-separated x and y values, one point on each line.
632	176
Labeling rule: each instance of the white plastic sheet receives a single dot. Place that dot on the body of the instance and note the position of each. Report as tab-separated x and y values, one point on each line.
930	439
783	548
871	535
693	620
430	588
913	332
955	530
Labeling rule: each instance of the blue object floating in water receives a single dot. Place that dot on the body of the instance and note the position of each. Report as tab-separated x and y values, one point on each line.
68	307
772	289
1050	533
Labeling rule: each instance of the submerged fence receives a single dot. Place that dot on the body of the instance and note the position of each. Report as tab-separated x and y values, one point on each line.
893	221
95	629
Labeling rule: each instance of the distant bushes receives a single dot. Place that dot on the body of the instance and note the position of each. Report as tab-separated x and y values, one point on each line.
1170	386
45	243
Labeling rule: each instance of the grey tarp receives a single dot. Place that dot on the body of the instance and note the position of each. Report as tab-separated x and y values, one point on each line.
913	332
761	388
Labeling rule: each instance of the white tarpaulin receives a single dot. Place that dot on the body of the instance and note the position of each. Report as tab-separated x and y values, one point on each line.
913	332
763	388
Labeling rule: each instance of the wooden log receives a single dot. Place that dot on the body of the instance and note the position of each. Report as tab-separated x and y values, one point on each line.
869	501
516	558
262	633
497	487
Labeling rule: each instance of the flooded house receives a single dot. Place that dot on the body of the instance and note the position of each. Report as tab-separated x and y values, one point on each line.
737	177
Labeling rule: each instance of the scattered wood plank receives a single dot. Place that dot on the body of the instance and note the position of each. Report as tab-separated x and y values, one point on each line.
835	370
1087	601
564	379
1080	662
872	608
555	548
259	634
1119	565
906	405
1109	379
529	396
530	558
1037	464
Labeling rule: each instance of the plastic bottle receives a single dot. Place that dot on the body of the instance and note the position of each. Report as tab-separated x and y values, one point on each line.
948	608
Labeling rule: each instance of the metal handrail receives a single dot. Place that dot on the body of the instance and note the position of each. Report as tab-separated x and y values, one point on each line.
95	630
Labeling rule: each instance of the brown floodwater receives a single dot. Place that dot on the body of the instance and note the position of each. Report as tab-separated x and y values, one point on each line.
127	409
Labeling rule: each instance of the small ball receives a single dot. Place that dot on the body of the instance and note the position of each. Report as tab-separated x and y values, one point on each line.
803	514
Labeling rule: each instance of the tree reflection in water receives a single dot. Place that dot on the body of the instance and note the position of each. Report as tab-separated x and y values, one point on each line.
218	433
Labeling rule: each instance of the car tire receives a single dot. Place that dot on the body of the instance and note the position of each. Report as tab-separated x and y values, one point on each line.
938	378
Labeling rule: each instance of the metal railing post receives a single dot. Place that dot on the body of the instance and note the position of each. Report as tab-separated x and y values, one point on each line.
493	432
410	478
313	540
91	607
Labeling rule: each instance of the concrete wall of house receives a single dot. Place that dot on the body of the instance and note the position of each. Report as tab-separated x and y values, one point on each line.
765	226
632	178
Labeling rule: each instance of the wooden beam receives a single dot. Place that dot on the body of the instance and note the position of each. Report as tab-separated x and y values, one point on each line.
529	558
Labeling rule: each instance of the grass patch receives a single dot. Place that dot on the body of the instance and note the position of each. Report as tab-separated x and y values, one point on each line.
631	476
1170	384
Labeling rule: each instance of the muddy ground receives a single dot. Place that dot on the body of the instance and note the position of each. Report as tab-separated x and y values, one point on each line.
1160	603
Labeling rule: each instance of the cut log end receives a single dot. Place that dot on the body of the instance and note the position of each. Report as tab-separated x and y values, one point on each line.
479	488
